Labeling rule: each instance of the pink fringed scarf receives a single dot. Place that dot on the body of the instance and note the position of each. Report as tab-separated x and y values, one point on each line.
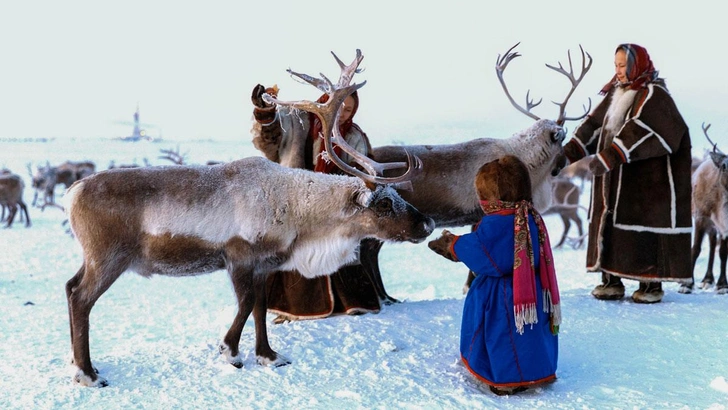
524	278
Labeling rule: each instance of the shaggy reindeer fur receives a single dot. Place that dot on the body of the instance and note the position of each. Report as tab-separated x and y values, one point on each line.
444	189
250	216
710	212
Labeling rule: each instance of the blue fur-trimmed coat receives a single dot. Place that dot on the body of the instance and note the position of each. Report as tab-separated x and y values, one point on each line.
640	218
490	345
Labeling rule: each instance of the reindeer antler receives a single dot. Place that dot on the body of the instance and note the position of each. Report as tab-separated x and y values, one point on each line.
705	132
574	83
502	63
328	113
174	156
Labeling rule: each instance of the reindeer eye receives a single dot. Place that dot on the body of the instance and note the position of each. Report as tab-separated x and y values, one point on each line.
558	136
383	205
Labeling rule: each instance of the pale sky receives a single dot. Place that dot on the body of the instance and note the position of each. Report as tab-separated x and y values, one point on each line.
77	68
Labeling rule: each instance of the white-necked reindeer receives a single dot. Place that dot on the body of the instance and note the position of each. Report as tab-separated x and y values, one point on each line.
250	217
444	189
710	215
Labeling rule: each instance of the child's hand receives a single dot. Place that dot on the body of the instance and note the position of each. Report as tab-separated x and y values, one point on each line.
443	244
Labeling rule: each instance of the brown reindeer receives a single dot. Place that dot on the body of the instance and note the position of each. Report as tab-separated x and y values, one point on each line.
710	214
250	217
4	171
11	197
47	178
444	189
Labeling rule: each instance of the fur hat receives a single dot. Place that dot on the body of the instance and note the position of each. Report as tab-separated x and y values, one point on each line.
505	179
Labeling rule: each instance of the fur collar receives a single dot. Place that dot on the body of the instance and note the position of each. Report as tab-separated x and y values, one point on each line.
619	106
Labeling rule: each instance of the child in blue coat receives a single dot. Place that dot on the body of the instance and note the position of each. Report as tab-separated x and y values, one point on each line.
511	316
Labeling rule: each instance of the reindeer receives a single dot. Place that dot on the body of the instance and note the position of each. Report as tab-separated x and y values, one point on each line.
11	197
444	189
565	203
250	217
710	213
47	178
578	170
174	156
4	171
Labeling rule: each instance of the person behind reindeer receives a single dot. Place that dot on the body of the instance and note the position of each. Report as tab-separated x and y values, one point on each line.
640	218
512	313
292	138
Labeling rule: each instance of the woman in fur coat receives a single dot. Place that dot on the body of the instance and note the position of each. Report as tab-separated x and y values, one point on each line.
291	138
640	220
511	316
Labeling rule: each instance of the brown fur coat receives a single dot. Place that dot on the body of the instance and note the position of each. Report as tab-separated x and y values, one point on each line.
640	220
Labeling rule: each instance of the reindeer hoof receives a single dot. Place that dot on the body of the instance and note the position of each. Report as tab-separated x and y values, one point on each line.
234	360
279	361
83	379
721	291
73	363
685	289
706	285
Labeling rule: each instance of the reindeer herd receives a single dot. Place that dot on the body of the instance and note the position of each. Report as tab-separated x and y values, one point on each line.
252	216
47	179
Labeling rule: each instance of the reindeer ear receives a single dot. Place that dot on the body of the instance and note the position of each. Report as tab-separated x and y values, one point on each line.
719	159
363	196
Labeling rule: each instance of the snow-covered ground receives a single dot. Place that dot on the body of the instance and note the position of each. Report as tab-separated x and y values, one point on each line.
155	340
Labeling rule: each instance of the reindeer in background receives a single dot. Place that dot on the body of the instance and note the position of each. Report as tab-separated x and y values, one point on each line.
444	189
251	217
710	214
11	197
578	170
46	179
565	203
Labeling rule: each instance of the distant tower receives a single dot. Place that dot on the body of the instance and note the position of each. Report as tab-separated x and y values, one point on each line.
138	133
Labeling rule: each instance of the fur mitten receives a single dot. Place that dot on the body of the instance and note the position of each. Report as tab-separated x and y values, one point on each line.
443	245
606	160
263	112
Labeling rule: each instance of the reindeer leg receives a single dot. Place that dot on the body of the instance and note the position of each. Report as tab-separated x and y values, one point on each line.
468	282
722	285
266	356
580	242
70	285
567	226
694	253
27	217
369	257
709	279
242	278
82	291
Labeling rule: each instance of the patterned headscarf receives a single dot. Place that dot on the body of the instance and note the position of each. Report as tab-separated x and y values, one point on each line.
640	70
321	164
524	278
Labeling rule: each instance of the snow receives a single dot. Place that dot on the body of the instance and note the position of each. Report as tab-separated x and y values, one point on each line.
156	340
